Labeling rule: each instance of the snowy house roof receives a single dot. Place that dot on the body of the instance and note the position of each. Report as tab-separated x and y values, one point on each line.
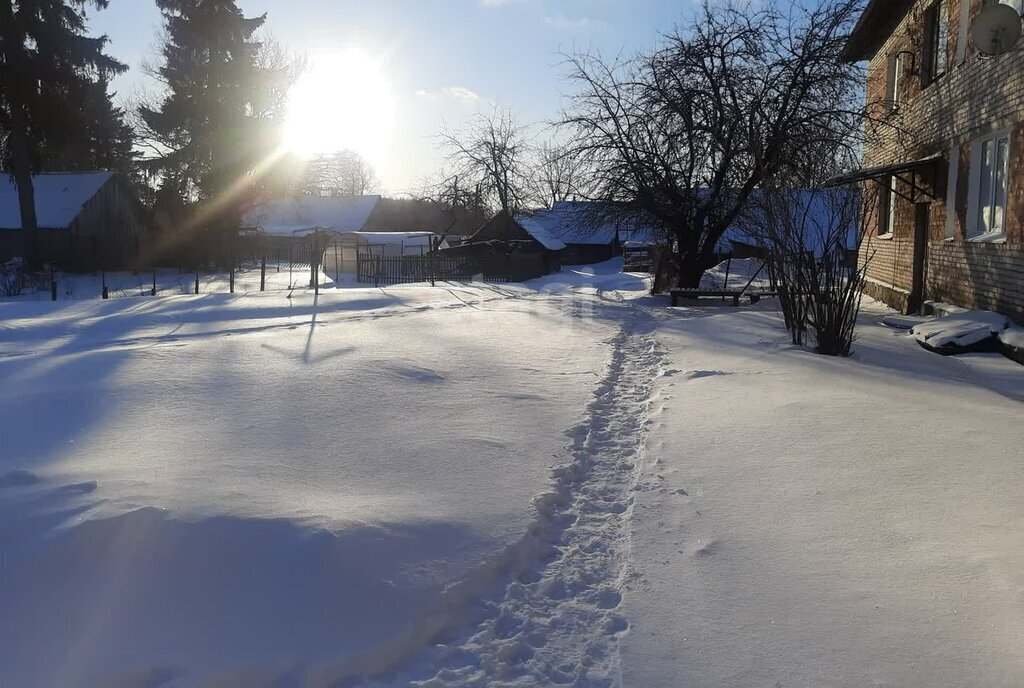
303	214
393	238
577	222
60	197
818	208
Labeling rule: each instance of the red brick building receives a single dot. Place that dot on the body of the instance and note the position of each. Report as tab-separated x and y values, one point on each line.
945	153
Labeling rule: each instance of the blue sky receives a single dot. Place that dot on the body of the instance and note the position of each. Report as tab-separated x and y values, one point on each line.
439	60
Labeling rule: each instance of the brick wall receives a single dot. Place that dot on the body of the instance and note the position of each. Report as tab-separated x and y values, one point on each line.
976	97
988	276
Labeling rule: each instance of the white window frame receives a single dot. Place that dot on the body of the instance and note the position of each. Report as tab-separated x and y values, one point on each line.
895	80
976	229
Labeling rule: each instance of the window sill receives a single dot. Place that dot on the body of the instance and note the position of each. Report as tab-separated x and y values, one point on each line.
990	238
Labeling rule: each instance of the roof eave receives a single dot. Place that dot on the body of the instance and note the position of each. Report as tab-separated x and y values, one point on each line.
876	23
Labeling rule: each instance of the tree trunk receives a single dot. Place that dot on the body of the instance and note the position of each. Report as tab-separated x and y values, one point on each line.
21	170
690	272
21	156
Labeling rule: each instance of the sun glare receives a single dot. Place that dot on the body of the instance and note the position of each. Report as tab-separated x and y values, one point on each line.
343	101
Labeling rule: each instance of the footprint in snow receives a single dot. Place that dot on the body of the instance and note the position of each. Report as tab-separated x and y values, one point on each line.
709	548
608	599
696	374
419	374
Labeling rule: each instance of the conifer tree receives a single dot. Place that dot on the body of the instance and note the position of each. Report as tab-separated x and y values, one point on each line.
208	131
46	59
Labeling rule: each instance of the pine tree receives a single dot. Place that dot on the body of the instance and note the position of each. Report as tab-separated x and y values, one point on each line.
46	60
99	138
209	129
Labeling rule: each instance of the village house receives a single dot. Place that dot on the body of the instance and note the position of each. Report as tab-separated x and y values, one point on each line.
570	232
945	153
87	221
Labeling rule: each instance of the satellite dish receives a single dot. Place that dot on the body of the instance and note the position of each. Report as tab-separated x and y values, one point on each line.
996	29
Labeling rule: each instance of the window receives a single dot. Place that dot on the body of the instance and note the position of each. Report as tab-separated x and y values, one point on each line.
936	42
887	214
895	77
993	159
952	180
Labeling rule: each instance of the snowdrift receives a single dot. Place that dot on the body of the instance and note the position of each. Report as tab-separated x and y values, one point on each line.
737	274
963	332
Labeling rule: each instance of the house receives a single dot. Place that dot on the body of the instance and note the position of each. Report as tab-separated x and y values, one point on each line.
573	232
948	157
86	221
828	219
417	215
300	216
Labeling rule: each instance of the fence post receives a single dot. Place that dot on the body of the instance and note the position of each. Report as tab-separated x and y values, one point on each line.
231	278
53	285
197	278
103	277
337	263
153	290
314	264
263	273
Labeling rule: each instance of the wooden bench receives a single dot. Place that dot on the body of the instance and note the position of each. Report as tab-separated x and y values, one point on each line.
702	293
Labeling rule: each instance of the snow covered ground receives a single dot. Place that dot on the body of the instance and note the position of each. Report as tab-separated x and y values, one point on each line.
557	483
806	521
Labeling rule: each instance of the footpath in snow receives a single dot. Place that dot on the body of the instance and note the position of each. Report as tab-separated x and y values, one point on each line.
557	483
250	490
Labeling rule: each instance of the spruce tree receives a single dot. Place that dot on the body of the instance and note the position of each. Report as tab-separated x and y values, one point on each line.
98	136
46	62
207	128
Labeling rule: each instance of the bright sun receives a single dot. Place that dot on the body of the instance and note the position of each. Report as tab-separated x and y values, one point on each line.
343	101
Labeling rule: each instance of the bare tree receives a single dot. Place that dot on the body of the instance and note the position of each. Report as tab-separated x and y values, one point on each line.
742	95
492	153
559	174
812	240
345	173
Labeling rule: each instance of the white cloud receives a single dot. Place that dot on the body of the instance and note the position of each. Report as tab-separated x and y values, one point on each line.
496	3
563	23
461	93
458	93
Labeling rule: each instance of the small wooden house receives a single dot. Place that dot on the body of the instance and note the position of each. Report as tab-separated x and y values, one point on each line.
571	232
86	221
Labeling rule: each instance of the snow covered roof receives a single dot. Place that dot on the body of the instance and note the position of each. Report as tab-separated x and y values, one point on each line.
536	227
303	214
60	197
393	238
577	222
820	209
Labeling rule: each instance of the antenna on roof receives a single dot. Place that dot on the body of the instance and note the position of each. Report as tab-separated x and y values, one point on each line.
996	30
